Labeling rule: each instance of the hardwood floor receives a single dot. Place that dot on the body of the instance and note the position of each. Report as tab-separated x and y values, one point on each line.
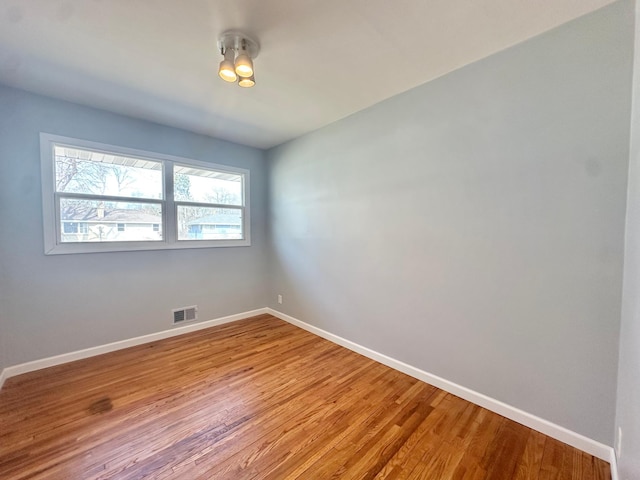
259	398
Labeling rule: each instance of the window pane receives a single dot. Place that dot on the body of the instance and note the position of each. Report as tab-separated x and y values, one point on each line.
200	223
100	221
206	186
84	171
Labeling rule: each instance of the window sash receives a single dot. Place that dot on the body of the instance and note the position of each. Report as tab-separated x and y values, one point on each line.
215	171
59	196
241	209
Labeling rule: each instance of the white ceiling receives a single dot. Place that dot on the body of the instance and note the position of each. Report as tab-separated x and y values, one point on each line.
321	60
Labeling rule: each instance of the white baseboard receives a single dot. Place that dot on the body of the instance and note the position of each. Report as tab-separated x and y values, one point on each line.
562	434
613	462
131	342
3	377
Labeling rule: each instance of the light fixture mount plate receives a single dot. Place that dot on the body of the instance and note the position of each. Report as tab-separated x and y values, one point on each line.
234	39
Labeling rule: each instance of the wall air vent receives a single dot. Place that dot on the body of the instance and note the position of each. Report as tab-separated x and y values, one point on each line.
185	314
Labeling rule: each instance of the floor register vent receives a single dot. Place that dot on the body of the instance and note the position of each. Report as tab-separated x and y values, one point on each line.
185	314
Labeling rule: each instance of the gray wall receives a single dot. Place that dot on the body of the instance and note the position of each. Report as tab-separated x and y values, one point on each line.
473	227
628	399
57	304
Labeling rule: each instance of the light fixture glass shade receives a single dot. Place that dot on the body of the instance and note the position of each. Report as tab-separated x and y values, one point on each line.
244	65
246	82
226	69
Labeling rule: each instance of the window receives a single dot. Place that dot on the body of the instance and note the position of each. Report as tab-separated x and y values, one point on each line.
207	198
99	198
73	228
70	227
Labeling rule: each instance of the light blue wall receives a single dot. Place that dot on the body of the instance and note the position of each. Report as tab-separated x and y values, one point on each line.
628	398
51	305
473	227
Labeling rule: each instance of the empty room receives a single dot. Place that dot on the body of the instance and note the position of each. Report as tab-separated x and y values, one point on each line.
350	239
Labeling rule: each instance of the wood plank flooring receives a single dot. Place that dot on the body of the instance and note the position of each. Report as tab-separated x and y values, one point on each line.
259	399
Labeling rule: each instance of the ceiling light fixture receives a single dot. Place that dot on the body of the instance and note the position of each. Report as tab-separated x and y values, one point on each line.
247	82
227	69
238	50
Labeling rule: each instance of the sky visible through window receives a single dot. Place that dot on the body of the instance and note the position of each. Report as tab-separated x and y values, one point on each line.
83	171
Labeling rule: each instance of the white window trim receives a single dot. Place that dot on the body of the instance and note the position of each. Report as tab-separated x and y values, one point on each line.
52	245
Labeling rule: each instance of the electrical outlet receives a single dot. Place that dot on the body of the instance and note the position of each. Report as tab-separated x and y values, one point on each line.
619	442
280	299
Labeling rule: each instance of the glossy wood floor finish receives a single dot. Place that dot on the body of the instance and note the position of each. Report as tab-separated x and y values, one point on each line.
259	399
